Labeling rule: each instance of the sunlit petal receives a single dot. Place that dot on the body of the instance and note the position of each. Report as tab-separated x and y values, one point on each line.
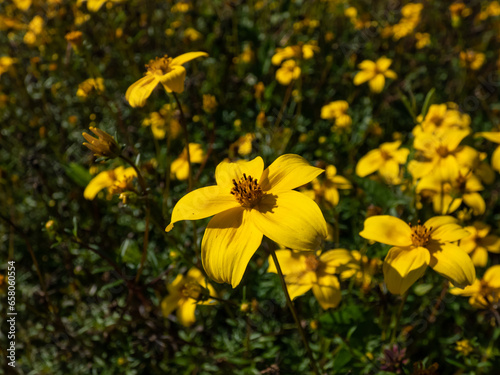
185	312
184	58
327	291
454	264
226	172
139	91
174	80
369	163
377	83
402	267
387	229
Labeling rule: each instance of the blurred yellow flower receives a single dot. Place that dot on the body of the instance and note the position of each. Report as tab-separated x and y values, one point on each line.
35	28
483	293
117	181
185	293
479	243
192	34
361	268
416	247
473	60
5	64
337	111
491	10
493	137
301	51
163	122
423	40
464	347
90	85
75	38
243	144
95	5
246	56
304	272
181	7
375	73
249	202
409	21
288	72
22	4
180	166
165	70
385	160
209	103
441	118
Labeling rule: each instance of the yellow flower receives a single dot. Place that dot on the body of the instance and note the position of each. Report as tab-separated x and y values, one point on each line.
375	73
163	122
441	118
362	268
209	103
304	272
89	85
180	166
448	195
104	145
192	34
483	293
419	246
185	293
473	60
301	51
116	180
288	72
328	189
407	24
75	38
464	347
165	70
479	243
22	4
249	202
243	144
386	160
95	5
493	137
181	7
423	40
337	111
35	28
5	63
246	56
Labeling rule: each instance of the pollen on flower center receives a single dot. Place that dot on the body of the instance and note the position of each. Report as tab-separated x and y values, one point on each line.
247	191
442	151
385	155
191	290
160	65
312	263
420	234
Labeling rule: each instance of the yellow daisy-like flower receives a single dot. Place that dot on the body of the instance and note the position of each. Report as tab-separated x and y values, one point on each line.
485	292
180	166
165	70
249	202
116	180
304	272
419	246
337	111
288	72
5	63
185	293
362	268
479	243
441	118
375	73
472	59
386	160
493	137
95	5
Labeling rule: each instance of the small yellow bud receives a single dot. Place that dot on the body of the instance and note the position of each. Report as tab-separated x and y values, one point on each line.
104	145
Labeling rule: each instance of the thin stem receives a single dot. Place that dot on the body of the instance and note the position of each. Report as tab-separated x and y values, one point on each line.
186	140
398	317
283	105
142	183
293	311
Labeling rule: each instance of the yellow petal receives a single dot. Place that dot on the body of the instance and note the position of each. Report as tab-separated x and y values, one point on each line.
363	76
180	168
335	258
492	243
383	64
291	219
139	91
377	83
389	170
185	312
226	172
99	182
387	229
288	172
332	196
490	136
492	276
470	290
402	267
290	262
327	291
401	155
445	229
228	244
453	138
454	264
369	163
476	202
169	304
298	284
174	80
202	203
495	159
390	74
341	182
367	65
479	257
196	153
184	58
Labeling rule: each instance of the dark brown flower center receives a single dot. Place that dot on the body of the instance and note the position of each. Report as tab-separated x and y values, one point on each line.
312	263
160	65
247	191
420	234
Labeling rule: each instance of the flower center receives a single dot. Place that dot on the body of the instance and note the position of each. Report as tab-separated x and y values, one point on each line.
191	290
442	151
420	234
312	263
385	155
247	191
159	66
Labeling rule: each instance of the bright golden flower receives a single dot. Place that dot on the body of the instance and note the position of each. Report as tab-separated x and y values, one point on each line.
328	189
117	181
243	144
375	73
386	160
23	5
249	202
185	293
483	293
75	38
479	243
35	28
180	166
192	34
288	72
361	268
95	5
163	122
337	111
423	40
493	137
90	85
441	118
104	145
416	247
209	103
464	347
5	64
301	51
306	271
473	60
165	70
409	21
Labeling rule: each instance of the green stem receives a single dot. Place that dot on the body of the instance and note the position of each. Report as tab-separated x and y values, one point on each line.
294	312
398	317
